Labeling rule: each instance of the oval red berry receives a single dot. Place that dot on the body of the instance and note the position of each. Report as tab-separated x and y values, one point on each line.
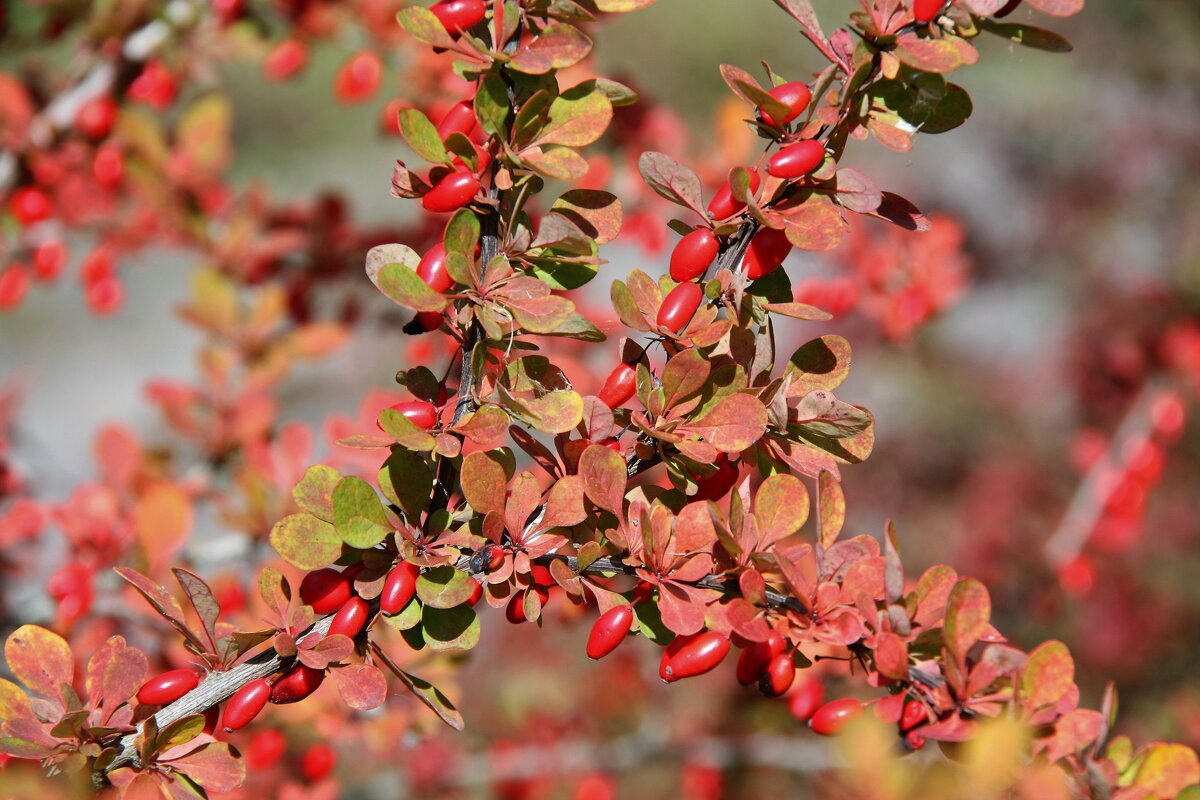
766	252
458	15
833	717
167	687
795	95
797	159
723	205
326	590
246	704
619	386
350	618
693	254
296	684
679	305
451	193
399	588
609	631
693	655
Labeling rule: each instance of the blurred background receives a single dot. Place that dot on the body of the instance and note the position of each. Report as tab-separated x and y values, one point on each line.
1032	364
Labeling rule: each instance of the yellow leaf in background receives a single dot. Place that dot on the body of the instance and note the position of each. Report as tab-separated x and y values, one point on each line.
162	521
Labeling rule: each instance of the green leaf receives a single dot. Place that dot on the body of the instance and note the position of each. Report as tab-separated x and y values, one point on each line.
462	233
560	163
432	697
424	27
404	287
314	492
404	431
407	480
1027	35
558	46
444	587
781	507
822	363
1049	674
596	213
358	514
576	118
422	136
179	732
484	479
40	659
673	181
306	542
455	628
492	105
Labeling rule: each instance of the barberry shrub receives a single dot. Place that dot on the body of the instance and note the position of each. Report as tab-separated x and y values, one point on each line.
694	500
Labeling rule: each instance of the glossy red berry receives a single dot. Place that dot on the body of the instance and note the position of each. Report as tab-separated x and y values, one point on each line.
424	322
95	118
619	386
421	413
288	58
265	749
454	191
476	593
797	159
350	618
296	684
754	659
399	588
167	687
693	254
693	655
49	258
927	10
432	269
833	717
723	205
326	590
778	677
795	95
609	631
679	305
914	715
458	15
766	252
14	283
459	119
30	205
359	78
246	704
212	716
318	762
806	699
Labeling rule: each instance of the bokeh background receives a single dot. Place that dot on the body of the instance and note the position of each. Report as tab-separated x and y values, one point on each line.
1074	188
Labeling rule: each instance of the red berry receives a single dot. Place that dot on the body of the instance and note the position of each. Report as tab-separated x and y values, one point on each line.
754	659
833	717
459	119
421	413
432	269
95	118
452	192
806	699
399	587
778	677
155	86
99	263
288	58
679	305
476	593
326	590
609	631
927	10
693	254
541	576
619	386
318	761
389	118
211	717
350	618
49	258
424	322
612	443
723	205
797	159
766	252
914	715
693	655
296	684
227	11
14	283
105	295
643	592
795	95
167	687
358	78
108	165
30	205
246	703
265	749
458	15
717	485
515	611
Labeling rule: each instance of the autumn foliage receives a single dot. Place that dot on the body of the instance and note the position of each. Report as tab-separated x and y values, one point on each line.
668	471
